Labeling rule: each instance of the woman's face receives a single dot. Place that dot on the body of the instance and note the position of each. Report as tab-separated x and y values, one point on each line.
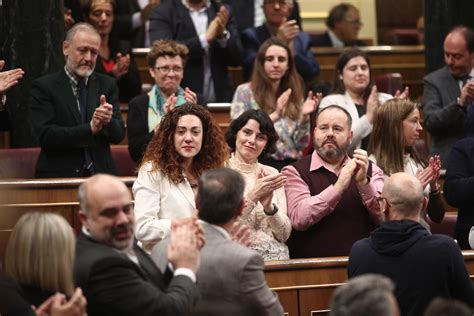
101	16
188	136
276	62
412	128
355	75
250	142
168	73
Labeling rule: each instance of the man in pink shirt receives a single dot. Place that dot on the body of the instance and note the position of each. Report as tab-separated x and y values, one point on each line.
332	198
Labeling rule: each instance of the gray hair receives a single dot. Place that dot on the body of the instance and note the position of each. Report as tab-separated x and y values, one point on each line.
367	294
82	197
81	27
220	194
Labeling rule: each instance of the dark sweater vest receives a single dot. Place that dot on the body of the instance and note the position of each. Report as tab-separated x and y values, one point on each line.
335	233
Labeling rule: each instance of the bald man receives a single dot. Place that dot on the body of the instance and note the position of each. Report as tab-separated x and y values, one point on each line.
423	266
117	276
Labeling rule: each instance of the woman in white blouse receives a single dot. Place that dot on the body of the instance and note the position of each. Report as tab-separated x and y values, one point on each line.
354	90
252	136
188	141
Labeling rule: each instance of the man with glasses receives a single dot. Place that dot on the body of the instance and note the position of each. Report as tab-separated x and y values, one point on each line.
209	30
423	266
277	24
344	24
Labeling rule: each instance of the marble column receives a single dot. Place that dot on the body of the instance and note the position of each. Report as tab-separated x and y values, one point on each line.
32	35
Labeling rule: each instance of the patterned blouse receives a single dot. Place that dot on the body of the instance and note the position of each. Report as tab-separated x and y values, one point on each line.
294	136
268	233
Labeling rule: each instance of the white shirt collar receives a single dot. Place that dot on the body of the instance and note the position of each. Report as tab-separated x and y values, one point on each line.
336	42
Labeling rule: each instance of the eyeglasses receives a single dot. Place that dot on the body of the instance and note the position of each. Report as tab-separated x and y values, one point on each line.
356	22
166	70
280	2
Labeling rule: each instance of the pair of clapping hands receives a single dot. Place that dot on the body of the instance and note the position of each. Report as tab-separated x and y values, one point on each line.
58	305
356	167
309	106
172	100
263	189
430	174
187	238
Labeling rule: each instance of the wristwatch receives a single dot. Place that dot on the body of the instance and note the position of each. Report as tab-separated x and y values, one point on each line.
273	212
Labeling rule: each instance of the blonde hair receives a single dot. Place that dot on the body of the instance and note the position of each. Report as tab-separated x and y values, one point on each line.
40	252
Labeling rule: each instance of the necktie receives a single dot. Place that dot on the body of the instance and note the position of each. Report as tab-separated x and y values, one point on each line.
82	96
465	79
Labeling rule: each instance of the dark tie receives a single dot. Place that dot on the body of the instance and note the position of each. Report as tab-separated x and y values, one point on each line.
88	168
465	79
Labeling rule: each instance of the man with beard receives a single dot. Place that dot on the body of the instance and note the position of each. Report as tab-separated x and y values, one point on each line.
332	198
118	277
76	113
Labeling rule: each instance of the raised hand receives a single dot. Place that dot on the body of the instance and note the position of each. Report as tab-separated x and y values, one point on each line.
240	233
9	78
311	103
265	185
281	104
122	63
102	115
362	160
345	176
183	248
217	26
288	31
170	103
402	95
190	96
372	104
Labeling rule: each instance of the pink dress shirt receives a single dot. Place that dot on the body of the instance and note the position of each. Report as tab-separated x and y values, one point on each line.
305	210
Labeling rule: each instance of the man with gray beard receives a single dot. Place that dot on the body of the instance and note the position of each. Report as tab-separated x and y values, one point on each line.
332	198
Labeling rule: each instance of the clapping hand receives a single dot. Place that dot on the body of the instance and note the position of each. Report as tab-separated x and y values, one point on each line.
102	115
121	65
311	103
9	78
402	95
372	104
240	233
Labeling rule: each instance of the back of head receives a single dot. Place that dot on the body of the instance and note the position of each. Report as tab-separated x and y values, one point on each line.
40	252
368	294
404	193
447	307
220	195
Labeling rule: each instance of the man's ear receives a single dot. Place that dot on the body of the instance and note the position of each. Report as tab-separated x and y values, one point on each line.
425	203
351	135
66	48
82	217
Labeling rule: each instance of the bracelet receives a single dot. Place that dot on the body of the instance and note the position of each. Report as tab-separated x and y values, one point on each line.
273	212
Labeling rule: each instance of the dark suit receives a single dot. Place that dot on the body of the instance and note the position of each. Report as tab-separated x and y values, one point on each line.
123	13
115	285
306	64
443	118
61	134
244	12
129	84
171	20
323	40
229	274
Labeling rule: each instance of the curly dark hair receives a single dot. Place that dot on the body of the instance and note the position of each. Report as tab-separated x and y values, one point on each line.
163	156
266	128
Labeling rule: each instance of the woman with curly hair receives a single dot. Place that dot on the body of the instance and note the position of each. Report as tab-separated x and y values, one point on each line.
276	88
187	142
392	148
251	136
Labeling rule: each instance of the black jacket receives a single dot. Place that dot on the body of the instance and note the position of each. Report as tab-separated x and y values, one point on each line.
422	266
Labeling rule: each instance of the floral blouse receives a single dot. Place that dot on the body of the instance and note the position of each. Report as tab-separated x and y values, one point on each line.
268	233
294	135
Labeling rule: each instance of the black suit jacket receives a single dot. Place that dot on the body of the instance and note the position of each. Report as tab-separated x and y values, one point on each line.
62	137
114	285
323	40
171	20
123	13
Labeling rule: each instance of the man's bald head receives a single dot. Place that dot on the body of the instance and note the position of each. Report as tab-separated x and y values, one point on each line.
404	193
106	211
